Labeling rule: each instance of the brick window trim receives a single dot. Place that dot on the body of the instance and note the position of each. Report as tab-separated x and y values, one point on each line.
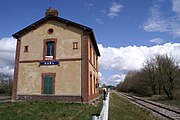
75	45
53	85
26	48
44	47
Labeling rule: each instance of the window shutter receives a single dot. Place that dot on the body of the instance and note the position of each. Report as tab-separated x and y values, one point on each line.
46	85
48	81
50	85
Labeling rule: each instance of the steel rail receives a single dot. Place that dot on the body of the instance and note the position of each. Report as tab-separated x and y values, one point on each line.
175	113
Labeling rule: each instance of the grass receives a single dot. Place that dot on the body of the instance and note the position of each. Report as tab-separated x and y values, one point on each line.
47	110
122	109
164	100
175	103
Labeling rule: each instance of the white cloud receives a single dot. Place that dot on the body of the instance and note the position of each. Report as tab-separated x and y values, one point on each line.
123	58
115	79
88	5
7	45
114	9
176	6
130	58
101	79
157	22
99	20
7	55
7	70
157	41
112	80
133	57
91	4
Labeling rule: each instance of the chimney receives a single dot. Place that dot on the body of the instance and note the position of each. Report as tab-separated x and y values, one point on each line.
50	11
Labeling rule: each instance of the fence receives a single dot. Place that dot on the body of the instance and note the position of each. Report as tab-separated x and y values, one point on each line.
104	111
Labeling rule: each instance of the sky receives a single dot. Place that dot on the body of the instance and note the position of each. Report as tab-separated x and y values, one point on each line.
127	31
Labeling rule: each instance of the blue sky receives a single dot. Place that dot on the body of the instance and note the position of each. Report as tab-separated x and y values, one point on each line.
123	28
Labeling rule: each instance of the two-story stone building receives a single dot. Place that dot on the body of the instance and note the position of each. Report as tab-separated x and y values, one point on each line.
56	59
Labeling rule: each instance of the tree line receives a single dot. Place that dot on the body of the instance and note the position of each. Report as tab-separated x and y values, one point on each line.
6	83
158	76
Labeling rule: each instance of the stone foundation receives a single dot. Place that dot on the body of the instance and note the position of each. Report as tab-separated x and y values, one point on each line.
51	97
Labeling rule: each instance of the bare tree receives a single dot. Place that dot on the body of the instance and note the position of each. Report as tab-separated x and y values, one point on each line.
126	85
150	69
135	82
167	70
5	84
158	74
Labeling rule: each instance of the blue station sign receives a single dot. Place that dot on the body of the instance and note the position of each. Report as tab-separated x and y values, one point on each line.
49	63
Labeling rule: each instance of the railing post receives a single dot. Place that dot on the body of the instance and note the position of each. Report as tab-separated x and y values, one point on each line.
95	116
107	106
104	94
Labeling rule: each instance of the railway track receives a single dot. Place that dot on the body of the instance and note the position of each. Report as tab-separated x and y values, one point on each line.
163	110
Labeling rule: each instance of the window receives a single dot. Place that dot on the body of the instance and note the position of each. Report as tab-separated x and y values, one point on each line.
97	84
48	85
75	45
94	84
96	62
50	31
90	83
26	48
50	49
94	58
90	53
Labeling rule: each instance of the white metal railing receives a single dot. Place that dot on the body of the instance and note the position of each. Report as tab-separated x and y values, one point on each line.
104	111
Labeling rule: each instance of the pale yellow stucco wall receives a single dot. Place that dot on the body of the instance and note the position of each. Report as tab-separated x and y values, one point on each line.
67	80
65	38
68	74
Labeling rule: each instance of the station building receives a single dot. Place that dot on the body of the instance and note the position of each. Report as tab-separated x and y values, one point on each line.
56	59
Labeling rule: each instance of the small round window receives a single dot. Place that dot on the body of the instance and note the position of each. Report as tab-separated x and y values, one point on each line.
50	31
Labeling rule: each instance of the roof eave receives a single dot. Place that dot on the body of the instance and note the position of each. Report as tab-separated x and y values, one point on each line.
49	17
